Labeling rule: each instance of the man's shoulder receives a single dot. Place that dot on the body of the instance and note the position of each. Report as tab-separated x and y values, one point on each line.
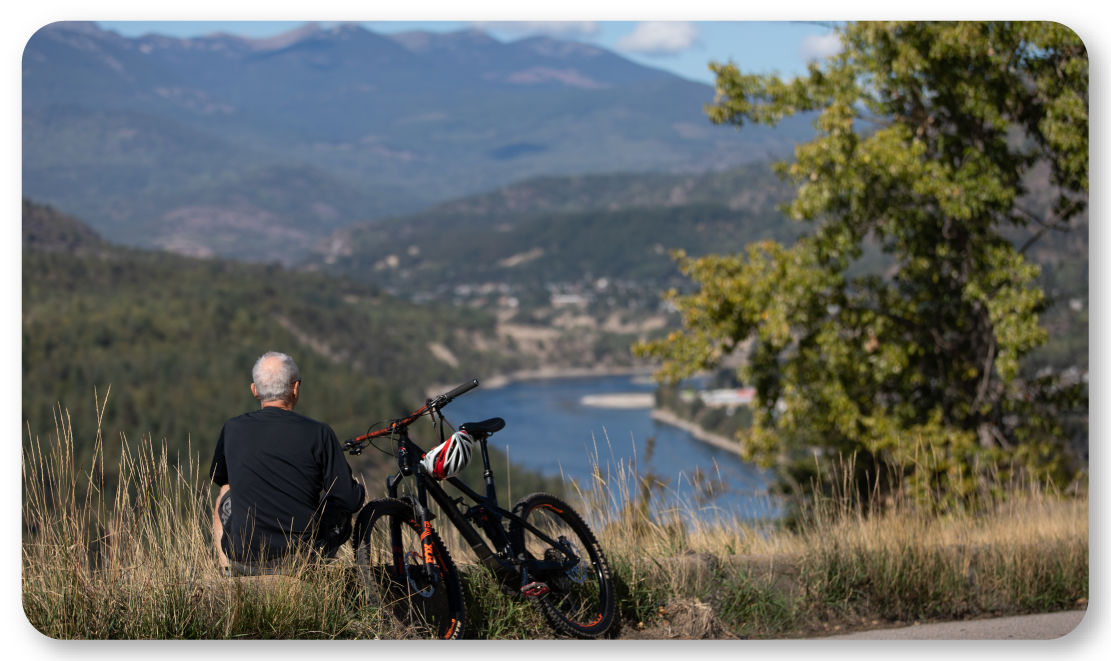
307	421
274	415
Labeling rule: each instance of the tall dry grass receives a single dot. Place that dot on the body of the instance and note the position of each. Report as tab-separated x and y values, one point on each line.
1021	547
133	559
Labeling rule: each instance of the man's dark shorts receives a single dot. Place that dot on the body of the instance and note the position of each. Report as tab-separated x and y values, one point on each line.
332	532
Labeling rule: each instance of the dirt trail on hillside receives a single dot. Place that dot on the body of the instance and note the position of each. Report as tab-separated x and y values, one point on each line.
1042	626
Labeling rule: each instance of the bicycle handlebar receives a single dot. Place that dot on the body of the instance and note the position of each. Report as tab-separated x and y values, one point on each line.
466	387
439	401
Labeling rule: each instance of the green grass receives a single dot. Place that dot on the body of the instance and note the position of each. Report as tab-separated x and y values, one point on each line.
133	559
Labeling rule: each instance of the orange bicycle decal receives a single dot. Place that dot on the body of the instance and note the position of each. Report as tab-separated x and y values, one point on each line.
557	511
451	629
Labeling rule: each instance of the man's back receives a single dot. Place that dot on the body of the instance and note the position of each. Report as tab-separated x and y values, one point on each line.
279	464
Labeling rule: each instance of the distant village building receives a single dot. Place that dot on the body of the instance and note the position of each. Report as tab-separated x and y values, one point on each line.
721	397
561	300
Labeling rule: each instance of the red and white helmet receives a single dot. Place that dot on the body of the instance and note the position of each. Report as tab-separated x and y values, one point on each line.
449	457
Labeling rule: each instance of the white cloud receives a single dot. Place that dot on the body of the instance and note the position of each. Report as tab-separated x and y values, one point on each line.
553	28
817	47
659	37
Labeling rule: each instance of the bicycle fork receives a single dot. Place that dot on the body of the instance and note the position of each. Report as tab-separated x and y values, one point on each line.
410	465
424	518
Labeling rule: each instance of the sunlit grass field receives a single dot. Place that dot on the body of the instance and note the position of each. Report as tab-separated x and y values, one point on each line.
133	559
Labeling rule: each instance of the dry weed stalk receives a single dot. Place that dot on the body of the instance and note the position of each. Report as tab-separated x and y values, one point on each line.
133	558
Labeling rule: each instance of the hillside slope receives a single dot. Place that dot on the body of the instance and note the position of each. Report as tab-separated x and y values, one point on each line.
563	230
175	339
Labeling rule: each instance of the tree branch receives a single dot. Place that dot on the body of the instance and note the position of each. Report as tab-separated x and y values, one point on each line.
1039	234
1031	215
994	431
940	340
982	390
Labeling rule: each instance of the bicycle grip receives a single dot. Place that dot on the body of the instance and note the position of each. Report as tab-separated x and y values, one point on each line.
462	389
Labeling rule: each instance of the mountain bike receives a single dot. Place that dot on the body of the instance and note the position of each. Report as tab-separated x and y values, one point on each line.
542	551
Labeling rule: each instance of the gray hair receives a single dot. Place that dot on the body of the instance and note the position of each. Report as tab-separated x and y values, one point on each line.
274	374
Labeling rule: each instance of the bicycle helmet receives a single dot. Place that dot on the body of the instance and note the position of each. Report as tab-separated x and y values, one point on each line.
449	457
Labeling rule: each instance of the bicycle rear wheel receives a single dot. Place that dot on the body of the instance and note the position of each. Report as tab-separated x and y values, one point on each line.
394	577
581	600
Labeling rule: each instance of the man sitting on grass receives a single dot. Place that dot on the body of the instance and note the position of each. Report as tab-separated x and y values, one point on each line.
293	489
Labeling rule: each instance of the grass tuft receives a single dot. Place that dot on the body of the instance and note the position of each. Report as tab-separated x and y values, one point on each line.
134	559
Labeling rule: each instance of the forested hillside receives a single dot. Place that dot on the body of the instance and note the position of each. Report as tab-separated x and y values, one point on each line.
175	338
562	230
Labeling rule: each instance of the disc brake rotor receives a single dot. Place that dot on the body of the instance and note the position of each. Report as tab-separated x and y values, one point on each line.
410	569
578	573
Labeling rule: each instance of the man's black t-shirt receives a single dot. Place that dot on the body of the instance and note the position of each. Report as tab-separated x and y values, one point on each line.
279	464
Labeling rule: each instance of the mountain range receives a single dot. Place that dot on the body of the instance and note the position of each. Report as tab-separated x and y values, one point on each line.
256	149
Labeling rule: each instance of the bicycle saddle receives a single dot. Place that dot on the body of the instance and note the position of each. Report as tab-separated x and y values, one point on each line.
486	427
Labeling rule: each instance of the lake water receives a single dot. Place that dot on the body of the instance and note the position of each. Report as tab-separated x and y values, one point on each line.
550	430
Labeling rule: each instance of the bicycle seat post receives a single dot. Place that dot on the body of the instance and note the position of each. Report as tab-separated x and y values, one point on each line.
488	474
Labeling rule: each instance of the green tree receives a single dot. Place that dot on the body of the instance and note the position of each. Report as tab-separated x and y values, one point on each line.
925	132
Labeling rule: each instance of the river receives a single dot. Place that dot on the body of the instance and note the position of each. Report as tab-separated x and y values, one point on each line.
549	429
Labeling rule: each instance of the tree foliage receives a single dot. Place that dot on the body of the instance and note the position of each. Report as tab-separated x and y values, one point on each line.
925	134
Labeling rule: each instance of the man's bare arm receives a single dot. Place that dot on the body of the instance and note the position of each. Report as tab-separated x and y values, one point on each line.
218	528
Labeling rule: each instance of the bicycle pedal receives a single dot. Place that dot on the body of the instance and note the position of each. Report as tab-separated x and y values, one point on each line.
535	589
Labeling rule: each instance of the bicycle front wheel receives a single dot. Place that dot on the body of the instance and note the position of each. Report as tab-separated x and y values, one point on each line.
580	600
391	568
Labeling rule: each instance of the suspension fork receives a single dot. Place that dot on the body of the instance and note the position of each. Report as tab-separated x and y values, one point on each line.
409	463
424	518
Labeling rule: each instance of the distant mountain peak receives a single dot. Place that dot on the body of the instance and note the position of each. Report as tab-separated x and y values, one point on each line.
225	41
419	41
285	39
87	27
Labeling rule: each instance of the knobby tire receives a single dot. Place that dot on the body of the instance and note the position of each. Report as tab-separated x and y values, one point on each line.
582	600
395	589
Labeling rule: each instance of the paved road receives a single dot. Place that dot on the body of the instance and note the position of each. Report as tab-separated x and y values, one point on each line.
1045	626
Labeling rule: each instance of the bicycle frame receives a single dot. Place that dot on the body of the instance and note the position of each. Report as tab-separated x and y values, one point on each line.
514	566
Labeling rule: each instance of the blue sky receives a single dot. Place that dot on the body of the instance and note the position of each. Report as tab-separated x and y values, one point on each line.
682	47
